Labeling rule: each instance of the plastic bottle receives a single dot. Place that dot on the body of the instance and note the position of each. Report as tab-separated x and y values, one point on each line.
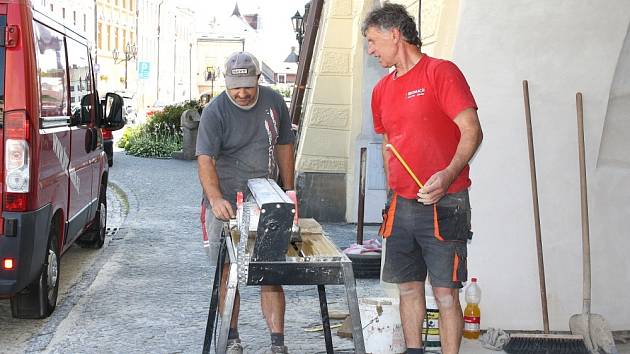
472	313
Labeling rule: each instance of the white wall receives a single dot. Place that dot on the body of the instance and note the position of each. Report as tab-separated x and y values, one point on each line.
561	47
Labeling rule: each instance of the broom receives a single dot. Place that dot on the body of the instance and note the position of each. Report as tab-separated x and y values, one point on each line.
546	343
592	326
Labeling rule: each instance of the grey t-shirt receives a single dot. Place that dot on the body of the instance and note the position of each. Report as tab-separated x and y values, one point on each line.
242	142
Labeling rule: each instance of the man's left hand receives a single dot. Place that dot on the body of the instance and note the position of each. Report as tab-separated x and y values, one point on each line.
436	187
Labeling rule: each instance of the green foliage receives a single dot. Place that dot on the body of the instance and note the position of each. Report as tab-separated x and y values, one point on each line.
283	90
157	140
171	115
129	131
160	136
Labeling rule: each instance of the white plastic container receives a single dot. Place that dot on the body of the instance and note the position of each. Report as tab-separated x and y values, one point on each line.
382	331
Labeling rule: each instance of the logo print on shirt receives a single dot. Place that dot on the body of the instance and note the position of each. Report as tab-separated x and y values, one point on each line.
416	92
271	126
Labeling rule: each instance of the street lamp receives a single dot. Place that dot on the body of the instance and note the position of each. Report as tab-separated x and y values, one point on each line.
298	27
130	51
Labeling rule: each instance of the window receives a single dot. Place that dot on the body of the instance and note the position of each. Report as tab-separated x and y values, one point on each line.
109	37
80	82
63	13
51	62
124	36
116	38
74	18
124	4
99	39
84	23
52	9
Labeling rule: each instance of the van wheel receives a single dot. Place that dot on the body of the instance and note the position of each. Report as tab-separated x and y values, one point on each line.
94	237
39	299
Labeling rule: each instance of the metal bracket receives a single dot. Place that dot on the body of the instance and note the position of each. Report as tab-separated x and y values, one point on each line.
277	212
9	36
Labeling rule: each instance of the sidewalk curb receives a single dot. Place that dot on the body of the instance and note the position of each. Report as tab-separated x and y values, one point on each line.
77	293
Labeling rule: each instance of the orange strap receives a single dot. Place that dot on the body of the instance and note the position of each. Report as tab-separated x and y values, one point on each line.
436	224
455	267
388	220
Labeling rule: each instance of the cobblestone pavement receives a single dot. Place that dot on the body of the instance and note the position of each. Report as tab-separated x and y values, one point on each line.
148	289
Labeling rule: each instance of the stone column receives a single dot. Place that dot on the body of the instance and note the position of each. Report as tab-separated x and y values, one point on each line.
190	124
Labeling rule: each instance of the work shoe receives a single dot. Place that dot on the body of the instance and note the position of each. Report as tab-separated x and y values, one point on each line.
234	346
277	349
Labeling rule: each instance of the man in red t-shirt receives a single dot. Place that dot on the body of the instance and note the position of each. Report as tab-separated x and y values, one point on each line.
425	110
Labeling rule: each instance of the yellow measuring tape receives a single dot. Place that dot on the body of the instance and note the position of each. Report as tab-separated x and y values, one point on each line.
404	163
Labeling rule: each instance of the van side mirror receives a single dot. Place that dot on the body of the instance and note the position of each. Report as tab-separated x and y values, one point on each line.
113	118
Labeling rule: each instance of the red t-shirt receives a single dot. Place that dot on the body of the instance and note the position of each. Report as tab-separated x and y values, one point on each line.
416	111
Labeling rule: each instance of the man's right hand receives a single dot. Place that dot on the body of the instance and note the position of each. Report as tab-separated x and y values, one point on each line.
221	208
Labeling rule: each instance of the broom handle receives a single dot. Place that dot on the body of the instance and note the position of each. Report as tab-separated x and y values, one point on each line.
532	172
586	245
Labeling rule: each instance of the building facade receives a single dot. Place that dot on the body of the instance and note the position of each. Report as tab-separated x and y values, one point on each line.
548	44
149	12
183	86
221	38
78	15
116	45
212	53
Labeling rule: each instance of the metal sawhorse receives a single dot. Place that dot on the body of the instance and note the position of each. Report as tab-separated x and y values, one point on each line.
302	267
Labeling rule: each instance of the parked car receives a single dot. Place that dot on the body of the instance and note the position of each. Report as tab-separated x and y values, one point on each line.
150	111
129	106
54	182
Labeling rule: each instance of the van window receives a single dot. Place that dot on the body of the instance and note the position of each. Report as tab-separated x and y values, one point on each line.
3	22
80	83
51	65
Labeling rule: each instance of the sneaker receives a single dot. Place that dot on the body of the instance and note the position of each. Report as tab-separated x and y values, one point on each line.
278	349
234	346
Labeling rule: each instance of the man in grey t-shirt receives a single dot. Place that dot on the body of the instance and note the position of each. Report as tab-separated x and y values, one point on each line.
244	133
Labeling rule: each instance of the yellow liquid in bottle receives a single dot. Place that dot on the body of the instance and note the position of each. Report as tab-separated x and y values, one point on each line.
471	321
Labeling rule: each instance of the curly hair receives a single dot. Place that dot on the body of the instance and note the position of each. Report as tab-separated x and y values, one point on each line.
393	16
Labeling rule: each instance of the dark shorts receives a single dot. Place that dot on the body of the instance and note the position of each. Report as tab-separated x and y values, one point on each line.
425	239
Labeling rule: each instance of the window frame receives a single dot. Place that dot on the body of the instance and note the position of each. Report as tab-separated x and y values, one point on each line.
90	89
53	120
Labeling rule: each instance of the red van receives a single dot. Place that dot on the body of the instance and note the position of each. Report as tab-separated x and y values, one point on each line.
53	170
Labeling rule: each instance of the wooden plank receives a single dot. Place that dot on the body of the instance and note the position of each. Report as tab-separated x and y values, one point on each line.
314	241
318	245
309	226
